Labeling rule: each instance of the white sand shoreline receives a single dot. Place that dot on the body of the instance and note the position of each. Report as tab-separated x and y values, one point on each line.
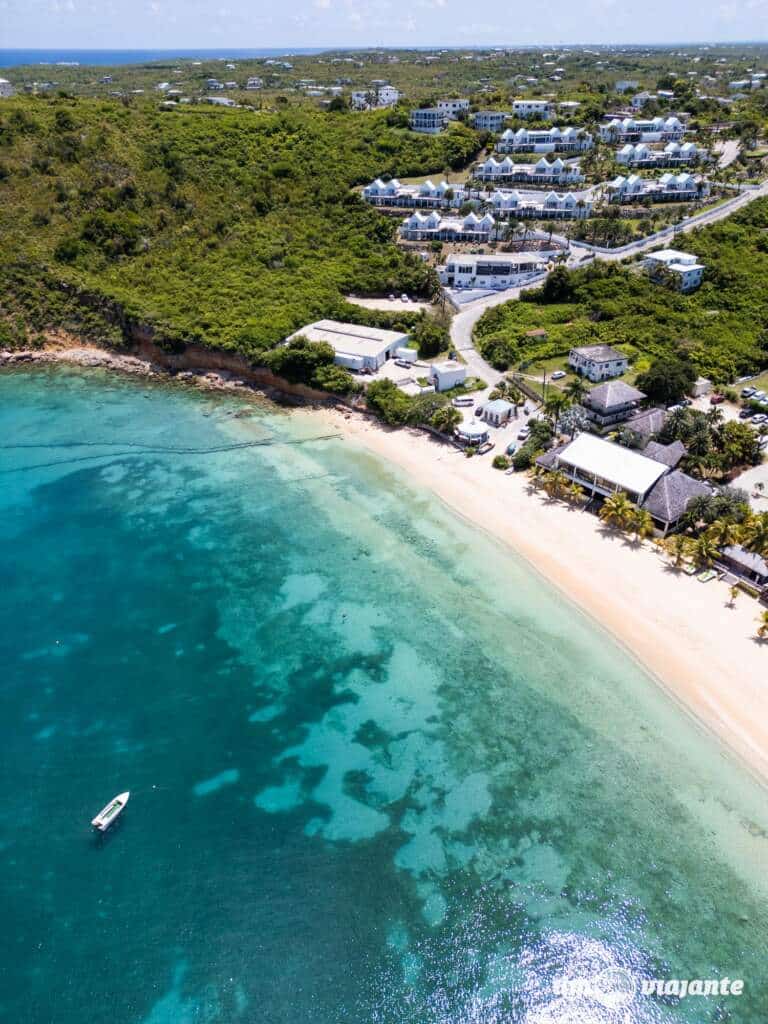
702	652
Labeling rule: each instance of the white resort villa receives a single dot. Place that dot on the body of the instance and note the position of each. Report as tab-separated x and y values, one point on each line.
357	347
682	268
553	205
683	187
430	227
558	172
426	195
545	140
630	129
641	155
490	120
542	110
495	271
453	109
598	362
429	120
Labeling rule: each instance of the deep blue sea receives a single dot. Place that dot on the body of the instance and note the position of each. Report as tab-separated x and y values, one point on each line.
380	772
111	58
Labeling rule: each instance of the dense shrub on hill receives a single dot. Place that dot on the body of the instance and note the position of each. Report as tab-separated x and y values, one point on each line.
230	229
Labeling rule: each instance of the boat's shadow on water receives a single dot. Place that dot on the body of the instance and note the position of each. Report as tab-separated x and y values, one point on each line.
100	840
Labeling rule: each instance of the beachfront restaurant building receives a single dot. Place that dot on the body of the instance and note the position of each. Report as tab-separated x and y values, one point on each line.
356	347
649	479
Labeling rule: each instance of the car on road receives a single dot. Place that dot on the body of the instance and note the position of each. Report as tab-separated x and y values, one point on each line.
559	374
748	392
391	297
404	298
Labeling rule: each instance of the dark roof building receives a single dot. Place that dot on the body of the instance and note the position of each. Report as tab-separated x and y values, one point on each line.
747	564
612	402
647	422
670	497
669	454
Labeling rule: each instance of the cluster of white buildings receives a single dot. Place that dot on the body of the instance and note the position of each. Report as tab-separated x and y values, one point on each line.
495	271
630	129
433	227
378	97
544	140
681	268
558	172
505	203
6	89
552	205
682	188
427	195
640	154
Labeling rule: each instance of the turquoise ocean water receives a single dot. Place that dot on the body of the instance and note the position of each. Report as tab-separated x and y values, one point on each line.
380	771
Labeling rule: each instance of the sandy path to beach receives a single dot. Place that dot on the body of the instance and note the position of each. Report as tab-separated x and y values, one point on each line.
703	651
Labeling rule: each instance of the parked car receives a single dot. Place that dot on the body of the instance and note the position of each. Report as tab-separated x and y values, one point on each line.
391	297
760	418
748	392
511	447
716	399
686	402
485	447
404	363
559	374
404	298
746	414
674	408
523	433
459	402
478	410
759	396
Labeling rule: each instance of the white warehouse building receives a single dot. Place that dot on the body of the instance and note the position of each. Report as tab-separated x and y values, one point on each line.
357	347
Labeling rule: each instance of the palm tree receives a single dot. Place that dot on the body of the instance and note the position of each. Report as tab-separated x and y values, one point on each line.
556	483
704	551
576	389
762	629
553	406
616	510
641	524
755	534
574	494
724	532
734	591
678	546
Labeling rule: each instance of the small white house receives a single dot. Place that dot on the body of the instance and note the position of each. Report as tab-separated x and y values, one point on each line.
598	362
454	108
471	434
6	89
498	412
541	109
428	120
490	120
496	271
683	266
448	374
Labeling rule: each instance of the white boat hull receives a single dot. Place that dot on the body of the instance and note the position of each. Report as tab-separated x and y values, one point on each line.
109	814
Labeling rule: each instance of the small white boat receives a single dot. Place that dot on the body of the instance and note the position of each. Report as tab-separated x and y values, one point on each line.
107	816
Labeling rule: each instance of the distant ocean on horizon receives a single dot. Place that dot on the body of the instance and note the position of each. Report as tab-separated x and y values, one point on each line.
110	58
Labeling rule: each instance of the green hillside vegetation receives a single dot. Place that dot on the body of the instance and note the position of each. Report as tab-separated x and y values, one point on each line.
722	328
230	229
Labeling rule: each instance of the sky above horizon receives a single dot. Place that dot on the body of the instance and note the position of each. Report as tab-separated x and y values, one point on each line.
171	24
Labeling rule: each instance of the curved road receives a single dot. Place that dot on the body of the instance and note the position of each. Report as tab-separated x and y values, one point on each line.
463	322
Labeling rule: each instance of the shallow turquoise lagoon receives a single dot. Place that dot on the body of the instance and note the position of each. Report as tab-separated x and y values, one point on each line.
380	771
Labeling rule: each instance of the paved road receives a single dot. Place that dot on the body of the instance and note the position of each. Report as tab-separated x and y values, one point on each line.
464	322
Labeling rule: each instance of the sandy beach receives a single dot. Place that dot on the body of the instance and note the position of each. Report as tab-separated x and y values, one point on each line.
701	650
